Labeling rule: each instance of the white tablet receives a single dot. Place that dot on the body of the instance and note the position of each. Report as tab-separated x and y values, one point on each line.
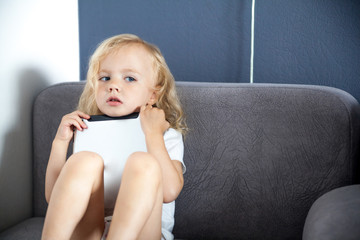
114	139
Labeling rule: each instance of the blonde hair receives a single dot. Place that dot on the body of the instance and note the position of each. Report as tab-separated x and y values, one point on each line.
165	82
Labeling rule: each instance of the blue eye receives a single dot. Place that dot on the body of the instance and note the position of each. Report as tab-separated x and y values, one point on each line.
104	79
130	79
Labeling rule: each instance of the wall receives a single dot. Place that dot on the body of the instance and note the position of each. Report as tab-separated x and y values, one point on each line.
296	41
308	42
207	41
39	47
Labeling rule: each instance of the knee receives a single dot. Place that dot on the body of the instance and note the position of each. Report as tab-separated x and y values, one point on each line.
144	164
88	162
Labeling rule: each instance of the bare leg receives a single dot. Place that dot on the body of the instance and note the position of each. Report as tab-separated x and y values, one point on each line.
77	200
138	208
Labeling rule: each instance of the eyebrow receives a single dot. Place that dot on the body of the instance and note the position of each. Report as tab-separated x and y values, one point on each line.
126	70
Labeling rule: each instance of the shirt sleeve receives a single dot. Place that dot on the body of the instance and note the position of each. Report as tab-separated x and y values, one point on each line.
175	146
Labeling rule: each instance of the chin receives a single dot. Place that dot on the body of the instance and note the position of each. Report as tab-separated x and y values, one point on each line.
114	114
117	114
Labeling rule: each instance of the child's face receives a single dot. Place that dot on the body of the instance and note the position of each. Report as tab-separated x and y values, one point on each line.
126	81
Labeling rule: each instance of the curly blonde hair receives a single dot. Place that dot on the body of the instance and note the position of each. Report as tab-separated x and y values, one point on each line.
167	96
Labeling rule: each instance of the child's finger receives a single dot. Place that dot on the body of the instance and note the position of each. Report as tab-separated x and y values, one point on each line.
149	106
83	115
77	125
79	118
142	108
81	122
76	122
83	125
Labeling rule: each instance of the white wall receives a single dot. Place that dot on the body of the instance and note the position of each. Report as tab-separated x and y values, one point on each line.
38	47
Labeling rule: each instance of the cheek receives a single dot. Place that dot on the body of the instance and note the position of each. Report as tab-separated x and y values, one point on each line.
148	95
98	96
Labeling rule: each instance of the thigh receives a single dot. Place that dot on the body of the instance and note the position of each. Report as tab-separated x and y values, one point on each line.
138	207
152	228
146	167
77	199
91	225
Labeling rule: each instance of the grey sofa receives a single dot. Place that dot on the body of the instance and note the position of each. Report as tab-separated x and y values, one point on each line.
258	158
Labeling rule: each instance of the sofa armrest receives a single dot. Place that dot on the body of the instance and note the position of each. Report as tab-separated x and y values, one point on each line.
335	215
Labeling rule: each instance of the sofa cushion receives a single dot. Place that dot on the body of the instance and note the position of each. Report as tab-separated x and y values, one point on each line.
29	229
335	215
259	155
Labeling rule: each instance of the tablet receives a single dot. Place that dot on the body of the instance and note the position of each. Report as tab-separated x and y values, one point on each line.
114	139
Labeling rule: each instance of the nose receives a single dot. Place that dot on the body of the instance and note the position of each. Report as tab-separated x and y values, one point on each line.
114	88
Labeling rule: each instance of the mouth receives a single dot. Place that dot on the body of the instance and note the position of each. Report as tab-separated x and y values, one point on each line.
114	101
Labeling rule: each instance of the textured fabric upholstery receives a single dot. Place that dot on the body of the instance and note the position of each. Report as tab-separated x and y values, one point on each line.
257	156
29	229
335	215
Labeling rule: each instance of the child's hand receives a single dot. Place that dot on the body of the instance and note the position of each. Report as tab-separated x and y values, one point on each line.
153	120
68	123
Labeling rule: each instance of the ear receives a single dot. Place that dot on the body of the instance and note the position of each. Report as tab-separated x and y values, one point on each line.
153	98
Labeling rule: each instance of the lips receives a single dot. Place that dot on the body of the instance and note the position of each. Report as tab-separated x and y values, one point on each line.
113	101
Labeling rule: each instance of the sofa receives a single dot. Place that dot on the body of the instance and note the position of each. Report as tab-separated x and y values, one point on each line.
264	161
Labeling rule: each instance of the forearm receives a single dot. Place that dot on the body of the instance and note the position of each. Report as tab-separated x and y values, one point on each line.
172	174
56	162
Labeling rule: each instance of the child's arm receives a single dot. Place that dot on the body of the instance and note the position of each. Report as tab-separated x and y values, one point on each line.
59	148
154	125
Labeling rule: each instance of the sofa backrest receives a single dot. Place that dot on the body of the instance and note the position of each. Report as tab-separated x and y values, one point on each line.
257	155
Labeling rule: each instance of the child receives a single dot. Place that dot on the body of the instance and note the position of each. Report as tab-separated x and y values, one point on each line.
126	75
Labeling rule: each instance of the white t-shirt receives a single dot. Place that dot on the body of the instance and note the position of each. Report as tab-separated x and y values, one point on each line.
175	147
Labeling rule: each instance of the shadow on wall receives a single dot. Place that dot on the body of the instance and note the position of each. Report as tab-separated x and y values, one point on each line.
16	158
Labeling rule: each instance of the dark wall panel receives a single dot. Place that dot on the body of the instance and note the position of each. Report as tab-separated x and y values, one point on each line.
308	42
296	41
201	40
